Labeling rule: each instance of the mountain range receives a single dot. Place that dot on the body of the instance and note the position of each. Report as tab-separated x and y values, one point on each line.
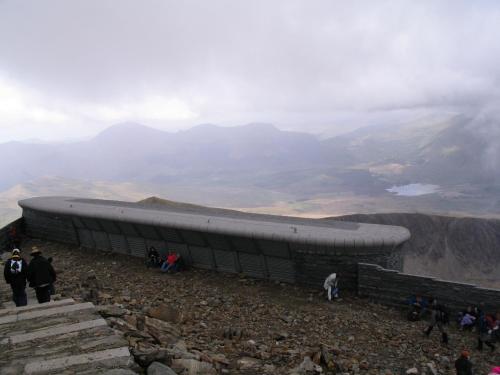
253	162
381	174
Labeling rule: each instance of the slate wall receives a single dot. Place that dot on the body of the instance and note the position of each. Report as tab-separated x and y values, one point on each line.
393	288
18	224
266	259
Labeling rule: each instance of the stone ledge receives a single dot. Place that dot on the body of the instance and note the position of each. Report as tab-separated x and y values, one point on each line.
121	354
46	312
38	306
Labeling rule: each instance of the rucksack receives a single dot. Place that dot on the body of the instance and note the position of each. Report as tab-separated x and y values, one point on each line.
14	267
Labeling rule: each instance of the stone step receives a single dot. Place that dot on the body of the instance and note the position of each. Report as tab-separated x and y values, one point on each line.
72	343
53	331
36	306
25	326
45	312
105	358
6	296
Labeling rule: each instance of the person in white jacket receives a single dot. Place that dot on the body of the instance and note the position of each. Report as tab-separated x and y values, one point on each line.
331	286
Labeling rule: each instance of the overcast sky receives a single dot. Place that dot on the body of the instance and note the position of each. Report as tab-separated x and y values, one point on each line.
71	68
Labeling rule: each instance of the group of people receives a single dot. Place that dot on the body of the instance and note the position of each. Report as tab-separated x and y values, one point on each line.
38	273
171	263
486	325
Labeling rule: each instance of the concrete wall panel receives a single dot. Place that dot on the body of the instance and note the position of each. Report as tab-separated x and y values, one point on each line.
101	240
281	269
202	257
253	265
225	261
86	239
118	243
137	246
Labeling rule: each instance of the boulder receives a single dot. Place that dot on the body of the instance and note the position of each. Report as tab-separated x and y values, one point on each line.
111	311
145	355
193	367
307	367
166	313
157	368
247	363
120	371
163	332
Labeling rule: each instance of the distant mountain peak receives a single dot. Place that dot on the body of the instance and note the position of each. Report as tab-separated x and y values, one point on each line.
128	129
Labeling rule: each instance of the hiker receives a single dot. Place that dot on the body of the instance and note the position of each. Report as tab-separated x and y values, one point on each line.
463	365
440	318
331	286
484	333
467	319
153	257
418	307
40	275
170	263
14	272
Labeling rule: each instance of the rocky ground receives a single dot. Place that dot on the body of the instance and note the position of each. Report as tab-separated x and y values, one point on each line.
201	322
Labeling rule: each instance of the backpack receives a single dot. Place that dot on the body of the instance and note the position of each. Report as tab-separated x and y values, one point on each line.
14	266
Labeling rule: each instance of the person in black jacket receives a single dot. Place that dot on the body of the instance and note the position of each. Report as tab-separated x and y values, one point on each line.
41	275
463	365
439	318
15	272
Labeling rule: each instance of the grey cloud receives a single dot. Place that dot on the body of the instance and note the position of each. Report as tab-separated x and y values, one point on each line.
290	62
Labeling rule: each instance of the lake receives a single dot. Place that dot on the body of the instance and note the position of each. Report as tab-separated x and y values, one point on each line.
413	190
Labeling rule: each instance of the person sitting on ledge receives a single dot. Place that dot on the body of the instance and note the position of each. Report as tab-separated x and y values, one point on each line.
331	286
171	263
153	257
418	307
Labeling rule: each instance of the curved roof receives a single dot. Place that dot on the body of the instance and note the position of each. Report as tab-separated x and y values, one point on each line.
280	228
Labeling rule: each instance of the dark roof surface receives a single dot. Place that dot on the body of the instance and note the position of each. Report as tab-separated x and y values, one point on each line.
229	222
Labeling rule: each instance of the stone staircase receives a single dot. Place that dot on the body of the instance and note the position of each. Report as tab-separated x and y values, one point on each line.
59	337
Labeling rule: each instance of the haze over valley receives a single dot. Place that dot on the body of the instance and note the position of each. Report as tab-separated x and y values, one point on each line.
431	165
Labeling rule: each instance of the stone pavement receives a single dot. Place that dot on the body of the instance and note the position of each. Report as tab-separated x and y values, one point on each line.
59	337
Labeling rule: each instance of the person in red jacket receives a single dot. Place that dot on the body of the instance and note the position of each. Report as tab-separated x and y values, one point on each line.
463	365
170	263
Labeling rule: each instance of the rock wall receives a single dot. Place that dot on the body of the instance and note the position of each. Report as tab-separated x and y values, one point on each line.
260	258
452	248
393	288
4	241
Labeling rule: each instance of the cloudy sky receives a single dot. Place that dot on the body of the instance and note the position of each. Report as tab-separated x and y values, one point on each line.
71	68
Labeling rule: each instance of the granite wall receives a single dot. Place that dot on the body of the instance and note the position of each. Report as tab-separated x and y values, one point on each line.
393	288
256	257
4	240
